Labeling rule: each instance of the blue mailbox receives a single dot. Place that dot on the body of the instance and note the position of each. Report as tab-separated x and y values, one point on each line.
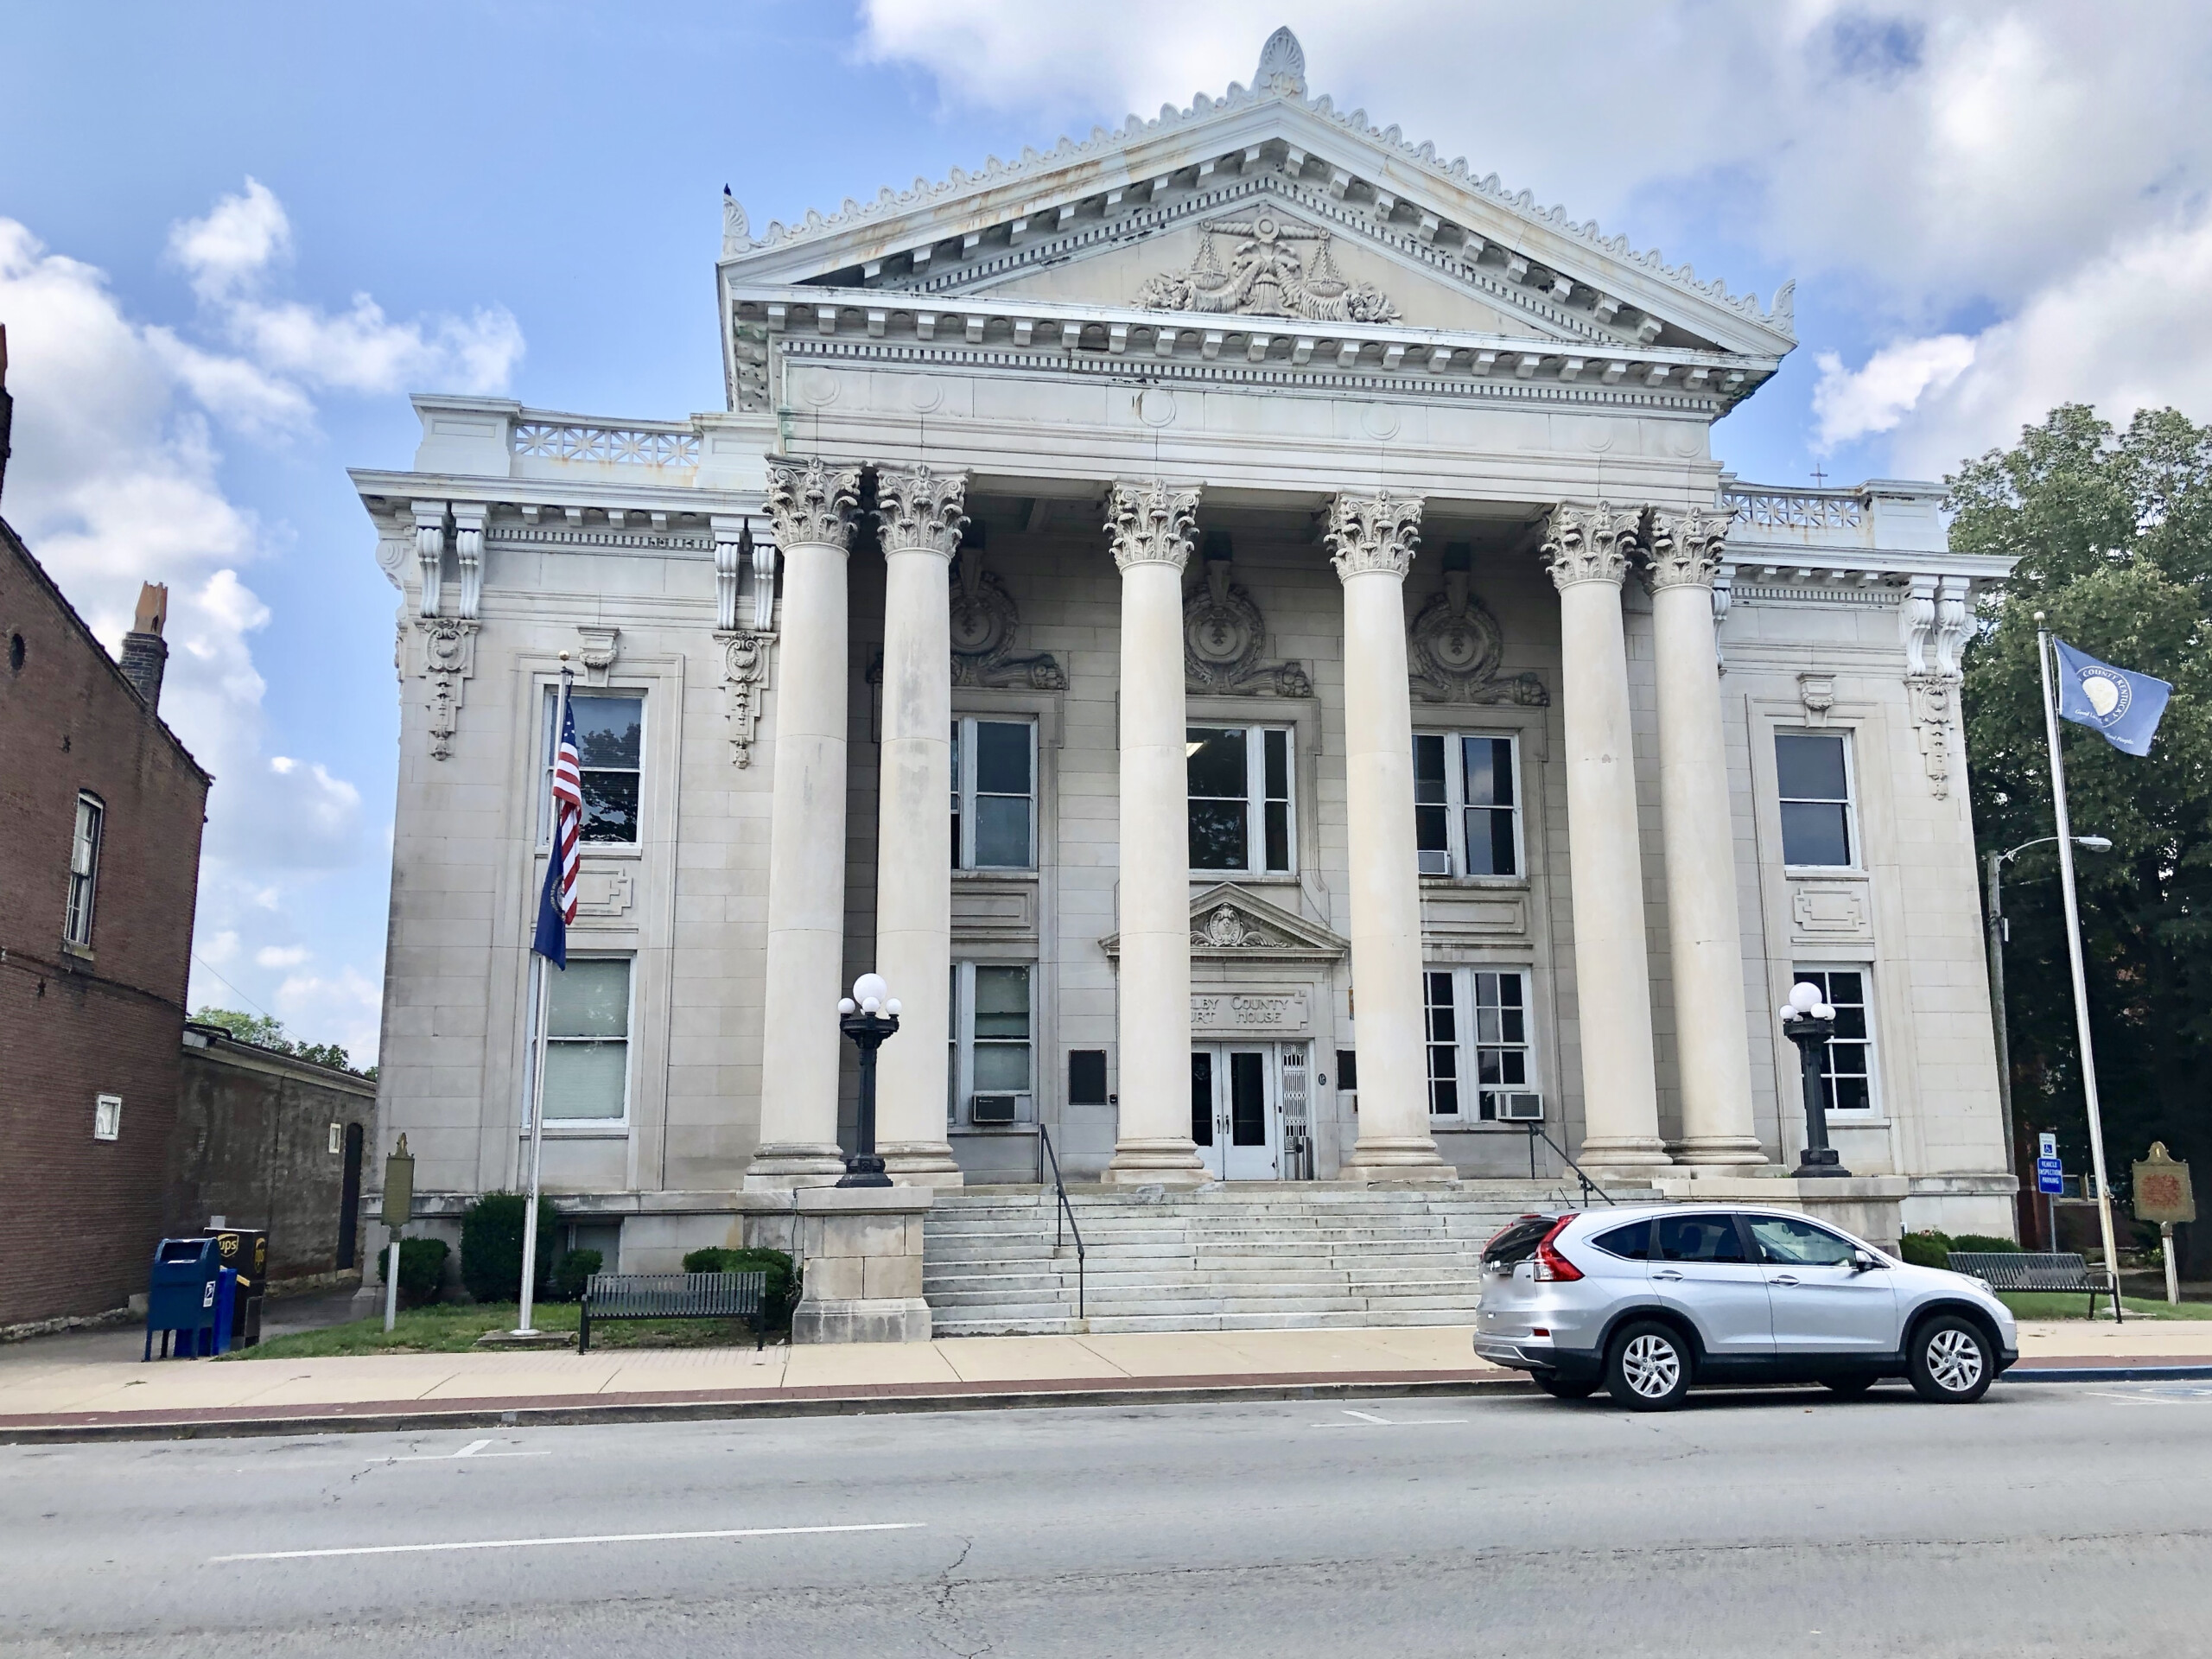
181	1296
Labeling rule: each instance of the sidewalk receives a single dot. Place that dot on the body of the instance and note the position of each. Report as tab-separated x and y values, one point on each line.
70	1397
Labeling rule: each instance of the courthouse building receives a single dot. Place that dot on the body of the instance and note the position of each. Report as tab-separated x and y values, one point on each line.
1238	619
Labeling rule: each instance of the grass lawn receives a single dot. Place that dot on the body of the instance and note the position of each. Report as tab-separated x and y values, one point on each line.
2053	1304
441	1329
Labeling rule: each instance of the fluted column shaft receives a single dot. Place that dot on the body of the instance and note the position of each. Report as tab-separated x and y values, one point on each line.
1372	538
811	505
1712	1037
1587	550
920	515
1150	525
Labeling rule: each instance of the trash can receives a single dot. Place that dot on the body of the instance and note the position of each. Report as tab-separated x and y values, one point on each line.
246	1250
181	1294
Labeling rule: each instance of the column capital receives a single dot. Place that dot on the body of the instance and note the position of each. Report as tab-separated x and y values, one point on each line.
919	510
1151	522
1376	531
811	502
1587	543
1685	549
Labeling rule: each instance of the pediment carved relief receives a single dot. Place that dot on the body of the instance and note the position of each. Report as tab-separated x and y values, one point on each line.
1228	923
1275	267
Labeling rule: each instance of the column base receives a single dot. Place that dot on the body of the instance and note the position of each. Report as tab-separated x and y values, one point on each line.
1719	1151
1625	1156
1170	1161
778	1166
921	1163
1409	1159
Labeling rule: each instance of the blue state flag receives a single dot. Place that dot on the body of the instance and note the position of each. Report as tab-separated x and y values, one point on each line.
2126	707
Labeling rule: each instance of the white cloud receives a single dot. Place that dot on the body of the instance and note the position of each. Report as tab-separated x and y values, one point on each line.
1852	403
273	956
231	248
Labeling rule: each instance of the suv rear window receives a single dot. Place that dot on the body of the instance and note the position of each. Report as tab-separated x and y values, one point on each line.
1518	1242
1631	1243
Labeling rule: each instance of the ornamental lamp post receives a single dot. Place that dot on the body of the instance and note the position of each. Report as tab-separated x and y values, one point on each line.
1808	1022
869	1015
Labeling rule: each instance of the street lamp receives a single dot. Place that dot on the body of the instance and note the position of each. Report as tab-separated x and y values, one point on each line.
2000	933
869	1015
1809	1022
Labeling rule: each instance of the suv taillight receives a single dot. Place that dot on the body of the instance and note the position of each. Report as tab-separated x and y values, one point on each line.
1551	1265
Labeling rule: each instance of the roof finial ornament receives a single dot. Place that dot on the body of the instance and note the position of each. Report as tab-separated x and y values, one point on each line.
737	234
1282	66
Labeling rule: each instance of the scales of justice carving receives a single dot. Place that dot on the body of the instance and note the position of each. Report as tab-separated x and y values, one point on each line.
1277	268
1224	638
1453	650
983	624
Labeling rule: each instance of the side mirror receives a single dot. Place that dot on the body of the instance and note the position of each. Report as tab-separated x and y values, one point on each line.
1864	1261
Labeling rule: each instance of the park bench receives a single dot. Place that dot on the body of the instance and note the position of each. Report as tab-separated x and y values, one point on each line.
673	1296
2038	1270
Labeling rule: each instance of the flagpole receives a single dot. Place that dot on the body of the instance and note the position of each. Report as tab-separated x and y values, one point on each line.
537	1067
2074	959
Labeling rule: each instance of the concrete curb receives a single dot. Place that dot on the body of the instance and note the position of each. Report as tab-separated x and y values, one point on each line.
2177	1370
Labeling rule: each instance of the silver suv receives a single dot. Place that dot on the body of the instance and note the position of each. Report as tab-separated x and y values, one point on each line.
1646	1299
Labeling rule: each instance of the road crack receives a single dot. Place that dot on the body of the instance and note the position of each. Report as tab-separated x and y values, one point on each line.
942	1591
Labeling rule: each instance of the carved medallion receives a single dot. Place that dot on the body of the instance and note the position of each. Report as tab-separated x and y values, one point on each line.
1453	650
983	624
1223	637
1276	268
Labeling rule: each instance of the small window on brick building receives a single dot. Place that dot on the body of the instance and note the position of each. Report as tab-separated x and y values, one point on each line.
107	1117
84	870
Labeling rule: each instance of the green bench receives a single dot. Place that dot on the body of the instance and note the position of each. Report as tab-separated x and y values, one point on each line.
673	1296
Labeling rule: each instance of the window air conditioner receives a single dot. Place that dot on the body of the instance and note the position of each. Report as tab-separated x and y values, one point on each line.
1435	863
998	1109
1514	1105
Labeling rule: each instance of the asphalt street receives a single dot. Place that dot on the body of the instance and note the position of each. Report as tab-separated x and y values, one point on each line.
2060	1519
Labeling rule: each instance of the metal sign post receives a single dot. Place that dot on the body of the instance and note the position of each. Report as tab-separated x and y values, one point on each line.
2050	1181
398	1204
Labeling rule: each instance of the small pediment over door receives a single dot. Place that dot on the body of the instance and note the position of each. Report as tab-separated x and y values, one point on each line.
1232	923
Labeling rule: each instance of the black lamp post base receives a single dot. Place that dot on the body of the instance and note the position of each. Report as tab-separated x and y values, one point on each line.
864	1170
1816	1161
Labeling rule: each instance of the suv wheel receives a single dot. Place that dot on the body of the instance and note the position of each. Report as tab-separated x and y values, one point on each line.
1952	1364
1648	1367
1560	1388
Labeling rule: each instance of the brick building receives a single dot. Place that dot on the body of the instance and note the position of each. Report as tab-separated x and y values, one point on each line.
100	815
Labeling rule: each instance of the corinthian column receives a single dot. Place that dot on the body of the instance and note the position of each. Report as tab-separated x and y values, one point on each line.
1713	1040
1151	525
1587	550
919	514
811	503
1371	538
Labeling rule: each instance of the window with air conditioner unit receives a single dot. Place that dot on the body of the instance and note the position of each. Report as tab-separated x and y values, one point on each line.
1467	803
990	1066
1482	1061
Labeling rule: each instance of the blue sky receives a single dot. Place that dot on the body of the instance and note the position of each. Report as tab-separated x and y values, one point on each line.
1986	208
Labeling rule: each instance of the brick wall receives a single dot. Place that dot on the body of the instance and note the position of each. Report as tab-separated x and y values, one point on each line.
79	1216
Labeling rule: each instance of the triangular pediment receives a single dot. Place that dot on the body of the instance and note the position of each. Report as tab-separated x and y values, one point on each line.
1229	922
1095	221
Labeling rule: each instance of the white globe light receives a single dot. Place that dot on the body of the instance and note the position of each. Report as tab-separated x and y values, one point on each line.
1824	1012
870	987
846	1005
1788	1013
1802	997
867	1005
891	1007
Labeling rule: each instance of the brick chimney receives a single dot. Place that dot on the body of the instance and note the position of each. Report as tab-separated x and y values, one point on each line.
7	406
145	654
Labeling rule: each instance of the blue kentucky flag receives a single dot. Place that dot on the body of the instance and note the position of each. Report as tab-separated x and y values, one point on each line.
2125	707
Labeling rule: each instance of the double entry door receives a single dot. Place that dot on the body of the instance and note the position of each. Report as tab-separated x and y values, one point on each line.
1249	1111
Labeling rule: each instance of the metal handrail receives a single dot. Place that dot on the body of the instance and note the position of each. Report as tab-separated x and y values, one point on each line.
1588	1186
1065	1208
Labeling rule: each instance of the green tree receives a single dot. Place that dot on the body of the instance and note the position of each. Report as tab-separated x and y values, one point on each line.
2113	534
263	1032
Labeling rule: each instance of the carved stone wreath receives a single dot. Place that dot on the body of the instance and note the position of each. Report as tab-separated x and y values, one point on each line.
1223	636
1453	650
1266	277
1227	928
983	624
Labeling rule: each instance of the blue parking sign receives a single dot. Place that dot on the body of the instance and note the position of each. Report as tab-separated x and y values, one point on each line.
2050	1175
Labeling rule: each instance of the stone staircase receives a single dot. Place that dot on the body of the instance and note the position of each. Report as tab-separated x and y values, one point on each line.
1221	1258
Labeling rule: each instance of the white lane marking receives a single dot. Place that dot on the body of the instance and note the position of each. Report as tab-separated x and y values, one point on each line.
542	1543
1370	1420
1367	1417
472	1448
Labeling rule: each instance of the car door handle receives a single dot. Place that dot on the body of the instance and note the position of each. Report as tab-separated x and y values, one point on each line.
1784	1279
1665	1273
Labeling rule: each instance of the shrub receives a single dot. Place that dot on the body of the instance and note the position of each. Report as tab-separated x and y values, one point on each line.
568	1278
491	1246
1983	1241
422	1265
1926	1250
782	1292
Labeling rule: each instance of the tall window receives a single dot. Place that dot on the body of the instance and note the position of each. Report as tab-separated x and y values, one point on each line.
83	869
610	752
1481	1055
990	1042
1240	816
587	1040
1467	803
1812	771
1847	1067
994	794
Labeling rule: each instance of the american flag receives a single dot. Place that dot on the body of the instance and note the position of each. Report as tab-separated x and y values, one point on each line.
556	907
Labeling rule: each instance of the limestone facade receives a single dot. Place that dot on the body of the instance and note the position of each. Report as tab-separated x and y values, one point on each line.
1175	506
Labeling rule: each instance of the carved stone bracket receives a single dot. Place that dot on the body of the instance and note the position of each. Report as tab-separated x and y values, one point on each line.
1372	531
1817	695
1225	637
1453	650
746	657
468	521
431	555
448	664
984	622
1934	618
1587	543
601	646
736	554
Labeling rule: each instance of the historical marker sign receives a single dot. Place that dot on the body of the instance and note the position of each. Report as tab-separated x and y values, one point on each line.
2162	1189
